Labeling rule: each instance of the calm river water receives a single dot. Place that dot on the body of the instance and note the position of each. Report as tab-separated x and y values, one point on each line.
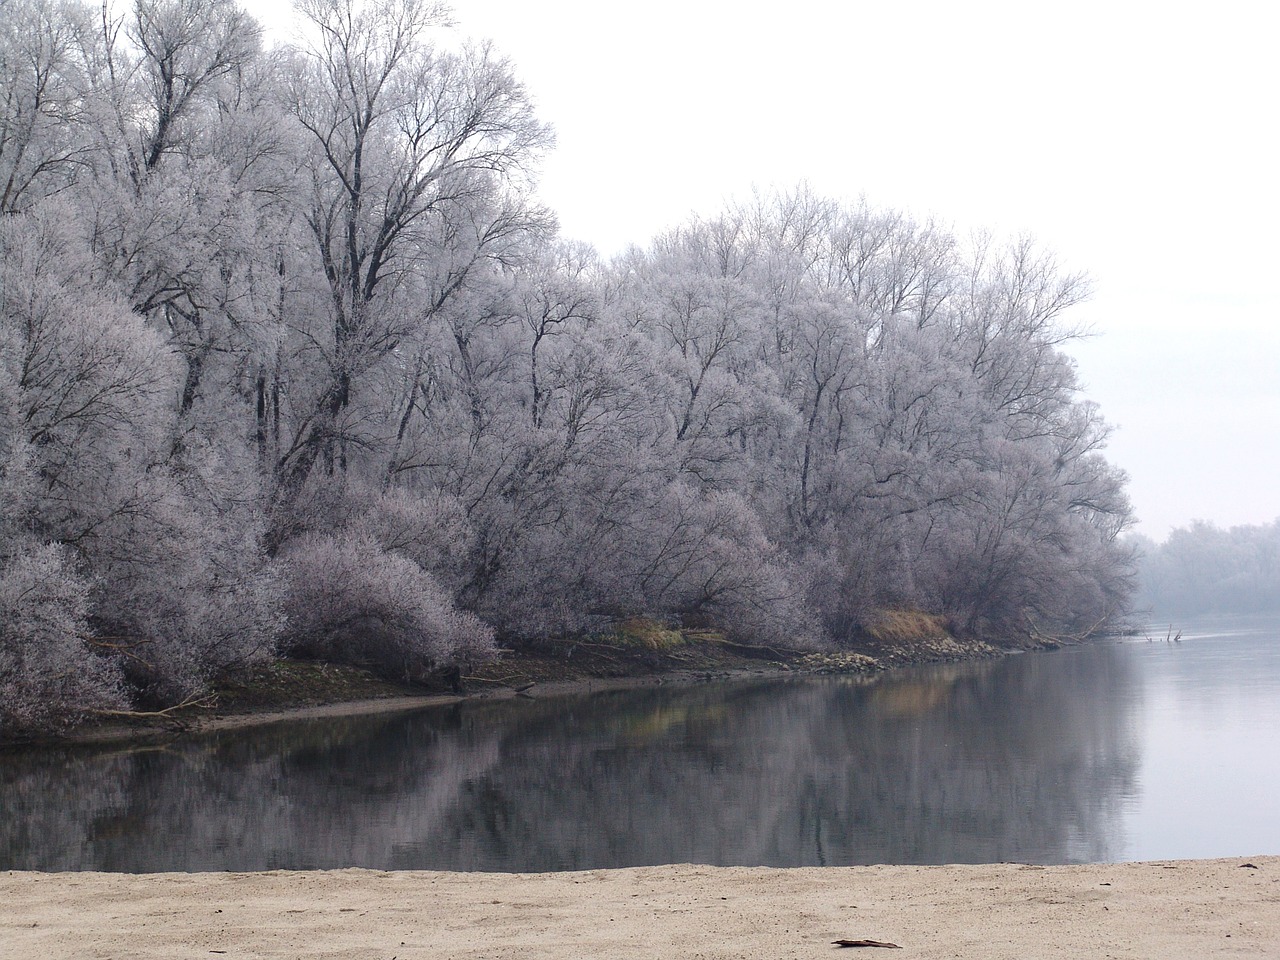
1114	751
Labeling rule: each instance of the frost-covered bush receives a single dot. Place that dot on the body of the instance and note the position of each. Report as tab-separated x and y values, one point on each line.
432	530
349	600
732	575
188	581
49	676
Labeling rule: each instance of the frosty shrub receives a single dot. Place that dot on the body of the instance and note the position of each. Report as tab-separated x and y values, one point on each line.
188	582
431	530
48	675
731	574
350	601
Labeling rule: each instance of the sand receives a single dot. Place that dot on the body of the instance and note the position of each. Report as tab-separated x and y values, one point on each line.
1174	909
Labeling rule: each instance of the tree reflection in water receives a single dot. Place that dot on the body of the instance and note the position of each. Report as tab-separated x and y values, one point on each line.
1027	758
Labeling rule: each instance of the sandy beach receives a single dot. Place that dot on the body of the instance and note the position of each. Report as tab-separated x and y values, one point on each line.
1172	909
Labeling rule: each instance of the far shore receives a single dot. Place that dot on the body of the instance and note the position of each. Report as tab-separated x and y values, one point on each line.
1168	910
639	652
214	720
298	690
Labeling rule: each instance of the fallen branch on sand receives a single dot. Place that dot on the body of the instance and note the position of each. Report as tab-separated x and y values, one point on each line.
865	943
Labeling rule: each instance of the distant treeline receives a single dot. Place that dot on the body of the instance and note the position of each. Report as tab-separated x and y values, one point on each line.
291	361
1205	569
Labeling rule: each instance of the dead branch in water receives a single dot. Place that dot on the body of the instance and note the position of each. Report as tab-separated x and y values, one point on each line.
780	653
1068	639
168	714
1169	637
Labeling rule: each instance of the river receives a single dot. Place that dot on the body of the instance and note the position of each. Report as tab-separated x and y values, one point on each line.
1133	750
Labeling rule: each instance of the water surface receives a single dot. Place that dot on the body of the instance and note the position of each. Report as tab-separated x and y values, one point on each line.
1113	751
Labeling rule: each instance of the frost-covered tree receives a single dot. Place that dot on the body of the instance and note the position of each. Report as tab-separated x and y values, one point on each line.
1204	569
289	354
926	444
43	116
415	159
179	587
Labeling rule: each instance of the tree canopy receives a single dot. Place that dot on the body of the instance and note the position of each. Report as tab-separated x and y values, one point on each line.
291	360
1204	569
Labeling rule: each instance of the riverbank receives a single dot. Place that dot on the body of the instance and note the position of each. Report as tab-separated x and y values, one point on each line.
640	655
1169	910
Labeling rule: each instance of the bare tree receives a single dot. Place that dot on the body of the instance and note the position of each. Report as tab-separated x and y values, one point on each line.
42	86
412	149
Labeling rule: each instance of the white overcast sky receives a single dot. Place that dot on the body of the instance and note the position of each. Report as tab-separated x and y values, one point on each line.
1135	139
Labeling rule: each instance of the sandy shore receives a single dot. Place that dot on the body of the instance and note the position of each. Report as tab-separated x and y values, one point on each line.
1186	909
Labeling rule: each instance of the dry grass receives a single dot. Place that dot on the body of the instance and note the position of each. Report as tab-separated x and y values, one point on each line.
907	626
646	633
